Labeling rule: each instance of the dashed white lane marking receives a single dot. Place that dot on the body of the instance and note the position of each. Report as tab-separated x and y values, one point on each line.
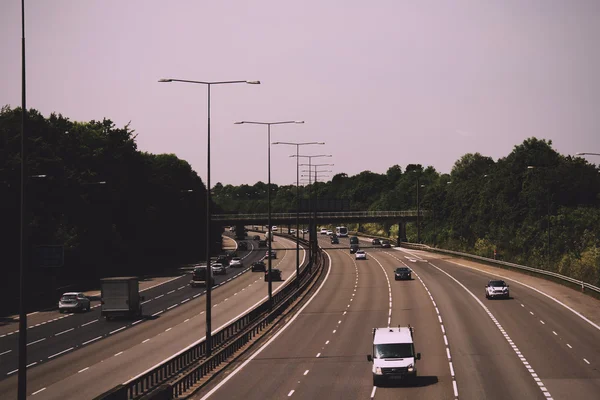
291	392
544	390
555	334
186	320
185	301
8	351
11	372
373	392
88	323
118	354
179	288
157	313
38	391
531	312
327	342
137	322
31	365
82	370
318	355
91	340
28	344
568	345
543	323
173	306
60	352
172	291
147	301
147	340
305	372
586	361
117	330
168	329
158	297
60	333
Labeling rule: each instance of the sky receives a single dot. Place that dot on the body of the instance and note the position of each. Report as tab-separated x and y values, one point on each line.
380	82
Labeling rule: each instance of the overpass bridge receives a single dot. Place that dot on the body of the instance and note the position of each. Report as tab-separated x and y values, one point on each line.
323	218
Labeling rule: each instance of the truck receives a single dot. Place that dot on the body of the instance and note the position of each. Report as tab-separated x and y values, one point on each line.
393	355
199	276
120	297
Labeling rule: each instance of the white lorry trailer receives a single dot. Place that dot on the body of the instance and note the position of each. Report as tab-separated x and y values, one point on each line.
120	297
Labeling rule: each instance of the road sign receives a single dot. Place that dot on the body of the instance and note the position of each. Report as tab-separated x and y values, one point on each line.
49	256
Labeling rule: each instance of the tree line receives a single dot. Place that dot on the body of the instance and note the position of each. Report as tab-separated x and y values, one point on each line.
534	206
116	210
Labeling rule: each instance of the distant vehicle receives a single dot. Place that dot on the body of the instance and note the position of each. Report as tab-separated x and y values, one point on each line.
304	231
259	266
236	262
329	232
73	301
275	275
255	237
376	242
496	288
243	246
323	231
393	354
360	255
386	244
219	269
292	231
354	240
335	240
120	297
402	273
199	276
223	259
262	243
274	229
341	231
353	248
273	254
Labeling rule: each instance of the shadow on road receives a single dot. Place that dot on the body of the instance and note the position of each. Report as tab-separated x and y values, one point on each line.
419	381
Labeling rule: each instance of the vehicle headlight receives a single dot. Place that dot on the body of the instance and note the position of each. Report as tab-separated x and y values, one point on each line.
377	370
505	289
411	368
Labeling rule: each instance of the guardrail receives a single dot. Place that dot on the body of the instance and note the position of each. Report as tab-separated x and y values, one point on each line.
336	214
235	333
579	283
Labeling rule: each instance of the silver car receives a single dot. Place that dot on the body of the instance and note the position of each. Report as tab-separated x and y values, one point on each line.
219	269
236	262
73	301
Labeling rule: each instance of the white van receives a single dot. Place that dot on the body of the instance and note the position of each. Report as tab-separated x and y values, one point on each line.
393	355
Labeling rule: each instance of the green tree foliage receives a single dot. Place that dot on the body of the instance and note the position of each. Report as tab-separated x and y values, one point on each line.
148	213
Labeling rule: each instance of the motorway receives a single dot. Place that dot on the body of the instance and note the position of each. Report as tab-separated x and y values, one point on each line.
82	355
527	347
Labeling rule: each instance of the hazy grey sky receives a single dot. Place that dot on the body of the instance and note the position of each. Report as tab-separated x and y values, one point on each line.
381	82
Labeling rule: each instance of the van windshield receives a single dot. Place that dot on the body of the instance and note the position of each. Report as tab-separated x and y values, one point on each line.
394	350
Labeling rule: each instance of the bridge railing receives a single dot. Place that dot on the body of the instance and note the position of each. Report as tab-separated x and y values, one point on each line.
554	275
334	214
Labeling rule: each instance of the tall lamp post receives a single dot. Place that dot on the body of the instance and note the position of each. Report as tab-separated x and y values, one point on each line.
22	378
270	226
298	202
208	213
312	234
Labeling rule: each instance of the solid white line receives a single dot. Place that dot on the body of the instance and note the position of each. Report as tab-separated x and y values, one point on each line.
8	351
147	340
29	344
88	323
90	341
117	330
68	330
238	369
41	390
61	352
291	393
81	370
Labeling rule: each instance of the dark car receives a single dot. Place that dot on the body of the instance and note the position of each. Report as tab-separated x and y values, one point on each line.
255	237
376	242
403	273
386	244
273	254
353	248
243	246
335	240
259	266
199	277
262	243
223	259
275	275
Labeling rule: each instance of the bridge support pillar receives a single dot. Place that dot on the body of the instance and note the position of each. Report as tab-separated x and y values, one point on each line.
401	232
240	231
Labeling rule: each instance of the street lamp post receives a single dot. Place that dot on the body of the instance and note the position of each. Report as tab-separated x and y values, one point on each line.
269	229
312	234
209	274
298	202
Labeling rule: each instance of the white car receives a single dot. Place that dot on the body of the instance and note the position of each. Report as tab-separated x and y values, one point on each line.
329	233
292	231
219	269
303	230
323	231
73	301
236	262
274	229
496	288
360	255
